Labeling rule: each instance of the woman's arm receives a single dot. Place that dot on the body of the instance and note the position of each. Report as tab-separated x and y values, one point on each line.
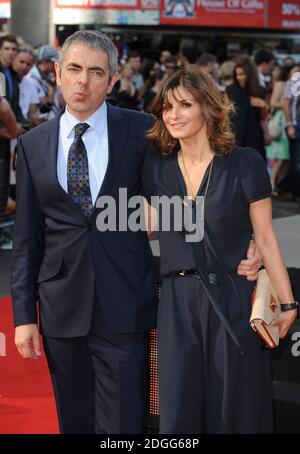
265	238
11	128
276	99
258	102
151	218
291	130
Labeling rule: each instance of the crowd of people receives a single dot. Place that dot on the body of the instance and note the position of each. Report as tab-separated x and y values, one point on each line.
266	116
29	97
266	111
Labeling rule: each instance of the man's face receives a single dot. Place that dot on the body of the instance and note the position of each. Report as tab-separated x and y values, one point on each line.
84	79
22	63
46	67
7	53
165	54
170	68
267	67
135	63
241	76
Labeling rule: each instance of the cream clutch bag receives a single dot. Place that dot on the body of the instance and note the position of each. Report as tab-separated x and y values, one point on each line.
265	308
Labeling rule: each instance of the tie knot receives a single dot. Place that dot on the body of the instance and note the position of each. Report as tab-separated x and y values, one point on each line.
80	129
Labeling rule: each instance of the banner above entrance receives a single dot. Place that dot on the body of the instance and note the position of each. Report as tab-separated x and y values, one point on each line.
261	14
121	12
217	13
4	9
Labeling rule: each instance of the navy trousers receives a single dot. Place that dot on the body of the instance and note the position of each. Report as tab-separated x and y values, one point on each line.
99	381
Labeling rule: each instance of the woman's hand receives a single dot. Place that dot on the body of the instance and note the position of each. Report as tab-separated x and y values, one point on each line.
291	132
257	102
250	266
284	322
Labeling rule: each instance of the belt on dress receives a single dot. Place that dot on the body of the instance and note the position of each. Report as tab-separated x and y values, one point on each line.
212	278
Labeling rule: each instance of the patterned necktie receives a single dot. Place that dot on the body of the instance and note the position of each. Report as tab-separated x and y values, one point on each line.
78	171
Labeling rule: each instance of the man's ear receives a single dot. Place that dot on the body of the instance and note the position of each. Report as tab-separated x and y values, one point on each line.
57	70
112	82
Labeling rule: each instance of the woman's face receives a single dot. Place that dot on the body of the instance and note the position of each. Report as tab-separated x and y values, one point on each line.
276	72
156	68
127	71
241	76
182	114
170	68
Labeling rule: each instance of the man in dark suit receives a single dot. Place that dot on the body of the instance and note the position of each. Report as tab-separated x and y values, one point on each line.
95	289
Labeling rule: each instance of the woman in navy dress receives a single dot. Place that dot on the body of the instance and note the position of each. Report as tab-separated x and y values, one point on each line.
251	109
214	375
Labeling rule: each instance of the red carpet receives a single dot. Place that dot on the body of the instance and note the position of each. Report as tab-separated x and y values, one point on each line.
26	398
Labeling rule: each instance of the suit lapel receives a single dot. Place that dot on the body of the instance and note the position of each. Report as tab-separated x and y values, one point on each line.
117	133
50	138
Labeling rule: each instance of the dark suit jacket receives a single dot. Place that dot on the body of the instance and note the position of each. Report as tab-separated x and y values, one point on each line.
58	251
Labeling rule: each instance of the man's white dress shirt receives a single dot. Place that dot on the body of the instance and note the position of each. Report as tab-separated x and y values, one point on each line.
95	140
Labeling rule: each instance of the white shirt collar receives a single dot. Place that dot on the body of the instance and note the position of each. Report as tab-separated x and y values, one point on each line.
97	121
34	72
262	79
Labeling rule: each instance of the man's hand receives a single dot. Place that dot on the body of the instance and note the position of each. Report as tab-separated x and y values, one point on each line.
27	340
251	265
20	130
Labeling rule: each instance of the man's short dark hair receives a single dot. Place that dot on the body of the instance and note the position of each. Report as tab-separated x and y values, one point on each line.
263	56
134	54
206	58
26	50
189	53
9	38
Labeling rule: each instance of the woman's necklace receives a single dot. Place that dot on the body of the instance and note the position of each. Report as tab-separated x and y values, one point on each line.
190	186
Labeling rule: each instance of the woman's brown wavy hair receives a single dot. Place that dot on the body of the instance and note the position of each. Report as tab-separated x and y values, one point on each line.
216	110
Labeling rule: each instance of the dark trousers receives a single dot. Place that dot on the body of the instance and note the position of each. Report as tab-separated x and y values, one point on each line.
99	381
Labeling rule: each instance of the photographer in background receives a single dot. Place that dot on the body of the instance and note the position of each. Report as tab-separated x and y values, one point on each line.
42	74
